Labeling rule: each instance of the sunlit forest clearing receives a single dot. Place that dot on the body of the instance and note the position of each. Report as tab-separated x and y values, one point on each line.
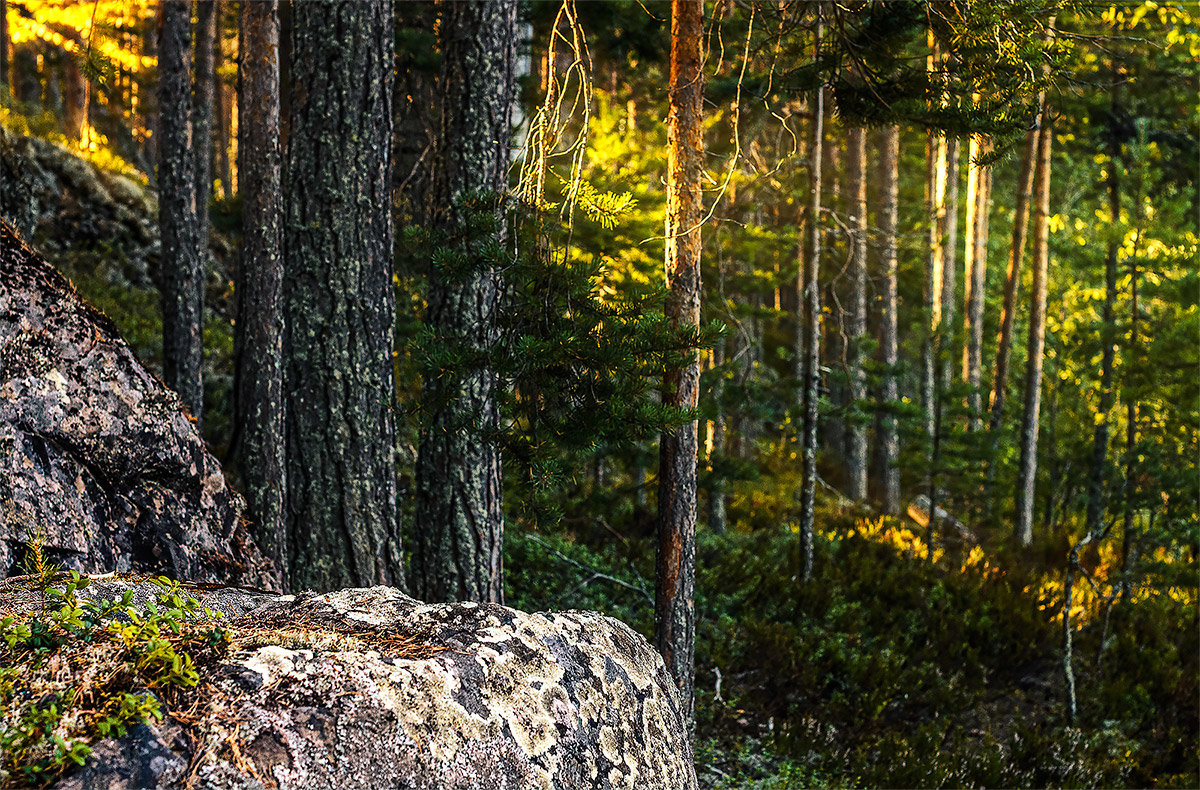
848	351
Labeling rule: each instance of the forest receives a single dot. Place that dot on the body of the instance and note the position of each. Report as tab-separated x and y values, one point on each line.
848	350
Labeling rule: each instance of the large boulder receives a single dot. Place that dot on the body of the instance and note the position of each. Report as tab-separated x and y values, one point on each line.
368	688
98	458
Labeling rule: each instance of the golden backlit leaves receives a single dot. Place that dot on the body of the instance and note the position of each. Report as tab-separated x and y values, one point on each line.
69	24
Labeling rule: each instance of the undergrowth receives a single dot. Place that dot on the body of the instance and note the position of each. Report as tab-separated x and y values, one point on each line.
75	670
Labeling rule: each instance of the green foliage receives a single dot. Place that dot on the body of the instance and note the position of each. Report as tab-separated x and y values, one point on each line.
48	716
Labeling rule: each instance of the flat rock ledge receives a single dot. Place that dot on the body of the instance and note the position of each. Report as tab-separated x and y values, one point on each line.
368	688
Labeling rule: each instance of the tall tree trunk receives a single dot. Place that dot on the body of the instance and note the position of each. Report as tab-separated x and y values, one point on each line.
935	184
223	106
889	345
339	304
811	380
949	233
180	261
856	456
979	183
1037	340
674	607
459	524
259	328
1095	503
75	101
1131	432
203	93
5	89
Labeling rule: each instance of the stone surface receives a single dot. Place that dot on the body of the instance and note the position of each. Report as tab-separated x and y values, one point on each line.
96	454
368	688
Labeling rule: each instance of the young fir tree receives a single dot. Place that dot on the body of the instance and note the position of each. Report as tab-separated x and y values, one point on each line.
459	524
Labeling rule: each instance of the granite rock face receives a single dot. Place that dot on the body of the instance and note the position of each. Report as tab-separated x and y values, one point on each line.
368	688
97	456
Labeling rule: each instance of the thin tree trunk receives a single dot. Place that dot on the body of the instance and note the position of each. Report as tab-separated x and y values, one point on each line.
716	453
949	233
979	187
75	106
180	261
889	345
811	299
1095	503
339	307
5	90
223	107
459	524
259	328
1131	408
202	115
674	612
856	460
1037	341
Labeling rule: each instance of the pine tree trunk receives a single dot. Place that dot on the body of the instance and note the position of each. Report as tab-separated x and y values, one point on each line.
459	524
716	454
223	107
674	613
180	261
935	182
259	329
5	89
1095	503
203	93
949	232
856	460
75	107
811	381
1037	341
339	307
889	345
979	183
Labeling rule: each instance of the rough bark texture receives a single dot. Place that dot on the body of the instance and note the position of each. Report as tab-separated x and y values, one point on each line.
856	432
674	605
181	261
979	191
339	305
259	328
203	99
459	524
889	345
95	453
368	688
1037	340
811	309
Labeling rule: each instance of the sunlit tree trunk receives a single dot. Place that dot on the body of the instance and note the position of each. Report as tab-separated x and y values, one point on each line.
979	183
811	301
459	526
1037	340
5	89
856	455
339	307
949	233
223	110
674	607
259	329
180	261
889	345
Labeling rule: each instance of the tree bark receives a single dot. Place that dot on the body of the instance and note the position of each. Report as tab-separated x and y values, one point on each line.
459	524
949	232
979	184
259	328
203	92
339	304
5	90
674	612
935	183
889	345
856	456
1037	341
811	381
180	261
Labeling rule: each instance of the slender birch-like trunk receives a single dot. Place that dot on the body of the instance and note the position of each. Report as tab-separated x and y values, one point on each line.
856	456
889	345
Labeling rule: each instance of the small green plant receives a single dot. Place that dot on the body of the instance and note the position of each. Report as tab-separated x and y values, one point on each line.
78	669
